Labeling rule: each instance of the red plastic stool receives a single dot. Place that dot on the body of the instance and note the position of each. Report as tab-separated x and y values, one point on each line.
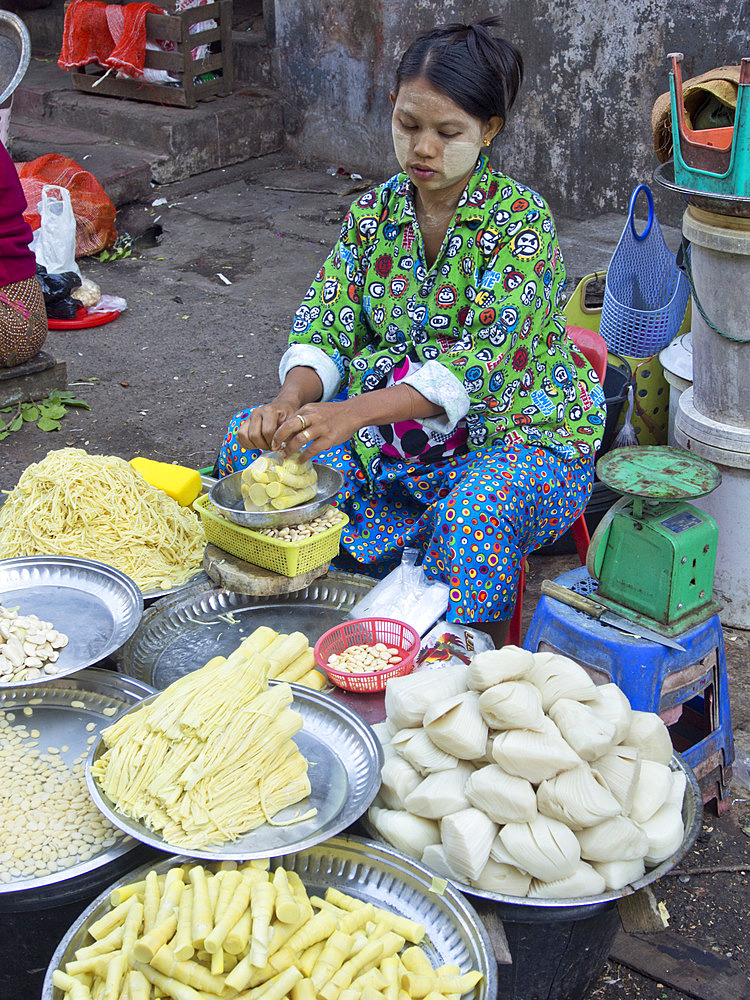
594	347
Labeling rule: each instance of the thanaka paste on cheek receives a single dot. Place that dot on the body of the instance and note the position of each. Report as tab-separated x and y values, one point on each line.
401	146
459	159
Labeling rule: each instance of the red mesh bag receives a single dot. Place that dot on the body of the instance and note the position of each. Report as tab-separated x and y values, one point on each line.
93	209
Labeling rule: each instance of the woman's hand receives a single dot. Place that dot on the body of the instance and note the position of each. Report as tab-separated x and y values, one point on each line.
316	427
259	428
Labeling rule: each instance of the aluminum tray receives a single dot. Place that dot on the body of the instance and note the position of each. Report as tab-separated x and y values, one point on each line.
95	605
721	204
531	910
370	871
60	724
345	760
199	577
180	633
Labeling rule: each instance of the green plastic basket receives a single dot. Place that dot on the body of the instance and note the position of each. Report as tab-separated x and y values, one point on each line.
285	558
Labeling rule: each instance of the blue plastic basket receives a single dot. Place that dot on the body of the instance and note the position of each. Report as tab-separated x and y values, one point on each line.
645	294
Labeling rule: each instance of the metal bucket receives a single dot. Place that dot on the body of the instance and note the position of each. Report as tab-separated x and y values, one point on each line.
15	53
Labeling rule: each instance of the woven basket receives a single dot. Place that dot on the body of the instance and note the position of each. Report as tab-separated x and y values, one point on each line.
285	558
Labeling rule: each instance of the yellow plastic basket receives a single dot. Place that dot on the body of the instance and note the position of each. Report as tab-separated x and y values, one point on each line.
286	558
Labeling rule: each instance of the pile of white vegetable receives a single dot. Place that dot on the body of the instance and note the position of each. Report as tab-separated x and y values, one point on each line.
29	647
518	775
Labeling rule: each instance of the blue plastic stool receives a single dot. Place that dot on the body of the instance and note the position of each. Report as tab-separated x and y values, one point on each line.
688	690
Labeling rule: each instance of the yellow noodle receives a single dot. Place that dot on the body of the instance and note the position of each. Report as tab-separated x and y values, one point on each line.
98	507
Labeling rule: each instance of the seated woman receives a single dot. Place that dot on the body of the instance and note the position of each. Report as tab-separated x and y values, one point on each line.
23	316
470	422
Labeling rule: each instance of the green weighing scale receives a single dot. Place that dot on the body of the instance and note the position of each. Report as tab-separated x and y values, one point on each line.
654	553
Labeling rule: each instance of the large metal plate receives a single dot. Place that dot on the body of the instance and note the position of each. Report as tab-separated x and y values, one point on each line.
345	759
526	909
721	204
225	495
199	577
95	605
60	724
361	868
181	633
658	473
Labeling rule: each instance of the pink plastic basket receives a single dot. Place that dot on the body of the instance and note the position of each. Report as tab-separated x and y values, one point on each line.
366	632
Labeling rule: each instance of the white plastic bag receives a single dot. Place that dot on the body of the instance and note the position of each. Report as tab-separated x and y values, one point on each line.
54	242
109	303
407	595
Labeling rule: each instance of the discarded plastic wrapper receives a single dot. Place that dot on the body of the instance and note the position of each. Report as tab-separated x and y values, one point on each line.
448	643
109	303
405	594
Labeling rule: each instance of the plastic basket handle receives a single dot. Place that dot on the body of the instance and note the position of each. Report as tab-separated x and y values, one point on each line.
631	211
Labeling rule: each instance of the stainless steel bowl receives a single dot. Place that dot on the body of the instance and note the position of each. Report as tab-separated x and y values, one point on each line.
226	496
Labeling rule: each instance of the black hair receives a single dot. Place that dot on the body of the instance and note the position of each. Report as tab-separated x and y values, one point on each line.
480	71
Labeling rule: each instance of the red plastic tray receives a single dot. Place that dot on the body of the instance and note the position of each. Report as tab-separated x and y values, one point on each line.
83	320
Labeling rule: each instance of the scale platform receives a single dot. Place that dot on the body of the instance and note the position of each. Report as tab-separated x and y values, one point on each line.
654	553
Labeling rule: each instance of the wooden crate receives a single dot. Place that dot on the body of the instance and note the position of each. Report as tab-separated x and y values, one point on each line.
175	27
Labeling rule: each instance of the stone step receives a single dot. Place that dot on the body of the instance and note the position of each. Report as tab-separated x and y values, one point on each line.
123	171
181	142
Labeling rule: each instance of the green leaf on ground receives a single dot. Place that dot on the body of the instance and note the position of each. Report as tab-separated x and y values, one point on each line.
47	424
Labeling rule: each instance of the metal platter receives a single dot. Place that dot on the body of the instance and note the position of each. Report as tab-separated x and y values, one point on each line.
199	577
720	204
370	871
63	725
180	633
532	910
225	495
95	605
345	760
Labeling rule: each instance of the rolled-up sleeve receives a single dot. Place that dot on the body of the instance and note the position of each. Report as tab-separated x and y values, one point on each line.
436	383
307	356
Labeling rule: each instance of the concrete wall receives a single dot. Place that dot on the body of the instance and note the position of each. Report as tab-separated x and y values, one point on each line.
580	131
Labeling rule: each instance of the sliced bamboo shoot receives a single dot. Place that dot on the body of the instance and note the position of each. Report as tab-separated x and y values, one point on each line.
505	798
441	793
589	734
497	665
545	848
456	726
585	881
499	877
616	839
559	677
407	833
577	798
512	705
467	837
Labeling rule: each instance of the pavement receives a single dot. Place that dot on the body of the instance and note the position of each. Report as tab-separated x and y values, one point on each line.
209	308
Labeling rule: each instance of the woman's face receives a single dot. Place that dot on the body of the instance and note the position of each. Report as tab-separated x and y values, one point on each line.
436	142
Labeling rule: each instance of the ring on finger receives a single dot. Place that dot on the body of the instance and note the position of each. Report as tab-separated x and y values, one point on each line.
306	434
304	422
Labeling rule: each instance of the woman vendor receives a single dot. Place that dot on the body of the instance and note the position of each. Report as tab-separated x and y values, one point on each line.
23	315
470	421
